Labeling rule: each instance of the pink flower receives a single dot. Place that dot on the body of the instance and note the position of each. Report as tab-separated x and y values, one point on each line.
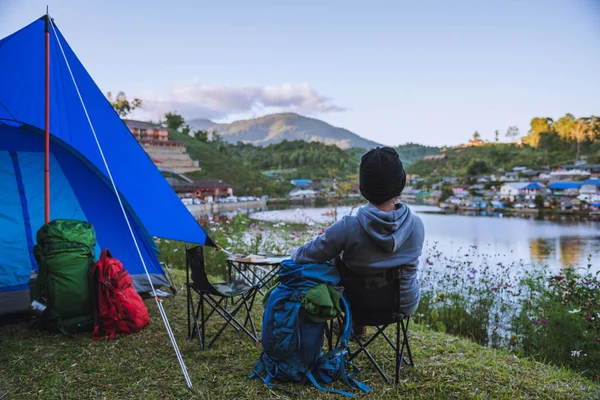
544	321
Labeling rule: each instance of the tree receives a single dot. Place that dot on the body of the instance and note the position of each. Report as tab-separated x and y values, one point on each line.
564	126
476	136
201	135
186	129
497	135
477	167
122	105
512	132
539	127
538	201
174	121
581	129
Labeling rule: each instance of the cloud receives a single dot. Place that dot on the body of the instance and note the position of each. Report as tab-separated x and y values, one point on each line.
199	100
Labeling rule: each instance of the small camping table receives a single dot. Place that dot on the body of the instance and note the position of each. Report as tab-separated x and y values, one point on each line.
257	272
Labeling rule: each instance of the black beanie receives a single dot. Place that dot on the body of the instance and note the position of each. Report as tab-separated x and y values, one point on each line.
382	175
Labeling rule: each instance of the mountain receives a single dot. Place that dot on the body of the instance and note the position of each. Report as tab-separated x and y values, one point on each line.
276	128
201	124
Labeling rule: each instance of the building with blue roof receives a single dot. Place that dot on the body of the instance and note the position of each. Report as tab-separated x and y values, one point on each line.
301	183
565	188
595	182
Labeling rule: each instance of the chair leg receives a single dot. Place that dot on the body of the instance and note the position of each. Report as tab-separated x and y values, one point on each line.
405	342
189	301
203	328
249	312
363	348
229	319
399	355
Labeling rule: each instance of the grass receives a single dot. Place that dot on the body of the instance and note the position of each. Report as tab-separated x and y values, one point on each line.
143	366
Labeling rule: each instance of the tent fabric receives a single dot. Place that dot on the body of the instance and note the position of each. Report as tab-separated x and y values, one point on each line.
80	187
22	95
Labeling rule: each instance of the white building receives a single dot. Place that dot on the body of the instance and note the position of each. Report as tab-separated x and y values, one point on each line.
307	194
512	189
589	193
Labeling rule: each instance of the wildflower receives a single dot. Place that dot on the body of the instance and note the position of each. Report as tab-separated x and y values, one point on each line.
575	353
175	250
558	277
575	311
597	339
589	317
533	322
544	321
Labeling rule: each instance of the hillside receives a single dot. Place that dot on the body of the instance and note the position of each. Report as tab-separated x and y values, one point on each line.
492	158
219	161
200	124
276	128
412	152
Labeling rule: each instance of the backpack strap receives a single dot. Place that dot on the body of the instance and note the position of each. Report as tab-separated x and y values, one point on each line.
342	351
312	379
105	254
259	367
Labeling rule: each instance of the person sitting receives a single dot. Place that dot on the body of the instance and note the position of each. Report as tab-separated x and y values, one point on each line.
383	234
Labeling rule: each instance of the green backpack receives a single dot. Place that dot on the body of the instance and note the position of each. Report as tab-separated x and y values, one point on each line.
65	256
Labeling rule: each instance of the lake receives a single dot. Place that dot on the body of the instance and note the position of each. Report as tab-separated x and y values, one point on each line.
560	242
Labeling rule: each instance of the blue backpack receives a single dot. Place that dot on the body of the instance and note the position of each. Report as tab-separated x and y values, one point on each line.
292	343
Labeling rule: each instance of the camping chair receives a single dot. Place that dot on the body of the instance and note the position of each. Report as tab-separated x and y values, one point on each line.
375	301
213	296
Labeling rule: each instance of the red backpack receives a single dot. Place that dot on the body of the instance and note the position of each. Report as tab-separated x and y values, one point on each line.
119	308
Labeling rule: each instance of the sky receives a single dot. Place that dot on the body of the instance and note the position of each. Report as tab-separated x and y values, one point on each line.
430	72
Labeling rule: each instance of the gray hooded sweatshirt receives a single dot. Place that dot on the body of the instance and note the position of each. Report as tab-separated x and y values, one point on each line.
370	242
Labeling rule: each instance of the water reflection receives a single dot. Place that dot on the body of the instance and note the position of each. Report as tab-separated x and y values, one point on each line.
571	250
542	249
555	241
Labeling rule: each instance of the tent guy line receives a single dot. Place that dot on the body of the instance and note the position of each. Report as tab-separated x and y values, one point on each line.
156	298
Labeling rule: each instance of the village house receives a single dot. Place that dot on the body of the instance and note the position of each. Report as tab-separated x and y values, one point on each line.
301	183
570	189
510	177
511	190
435	157
570	174
207	190
590	170
460	191
477	189
590	191
302	194
533	189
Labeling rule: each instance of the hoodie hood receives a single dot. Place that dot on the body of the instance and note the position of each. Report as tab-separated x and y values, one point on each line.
388	229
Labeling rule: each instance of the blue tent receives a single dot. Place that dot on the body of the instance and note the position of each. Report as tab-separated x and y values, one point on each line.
80	186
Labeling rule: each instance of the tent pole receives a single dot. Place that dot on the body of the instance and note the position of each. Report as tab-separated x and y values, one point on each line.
47	138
